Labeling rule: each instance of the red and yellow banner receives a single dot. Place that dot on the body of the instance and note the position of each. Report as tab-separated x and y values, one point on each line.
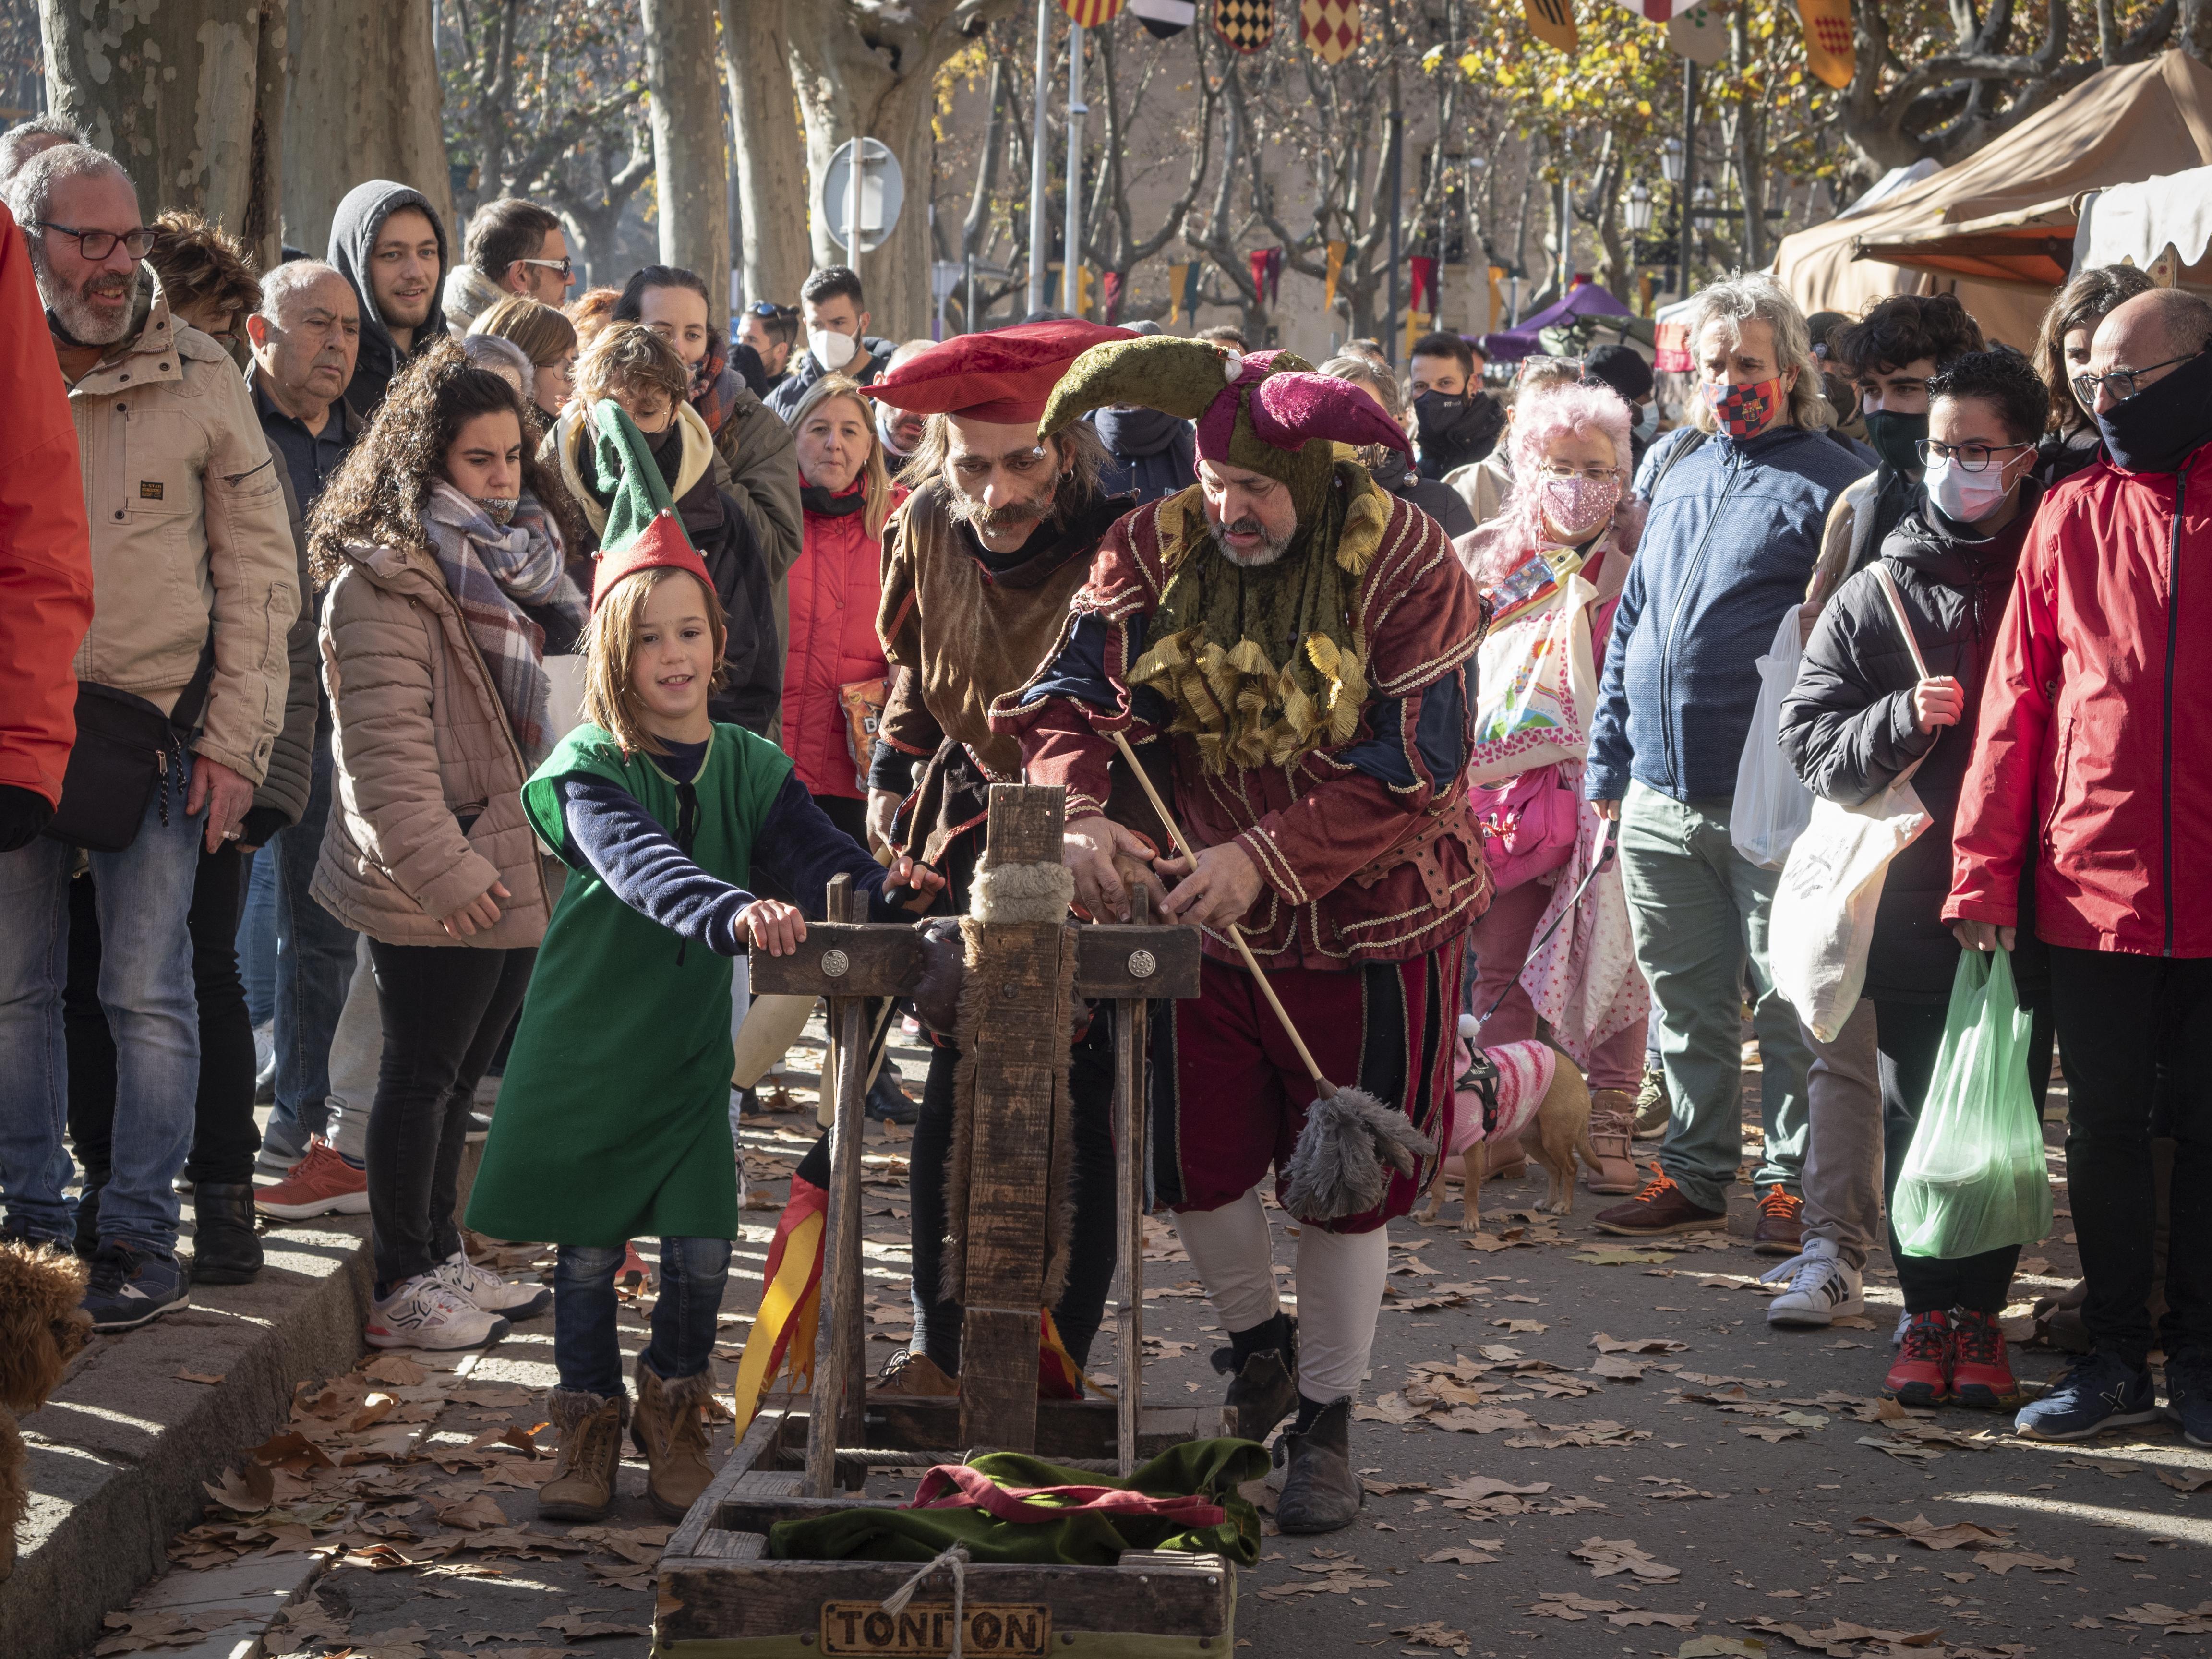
1828	50
1336	250
1329	28
781	1342
1245	25
1092	13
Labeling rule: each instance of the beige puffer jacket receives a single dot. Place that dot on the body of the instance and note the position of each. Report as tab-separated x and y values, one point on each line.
420	745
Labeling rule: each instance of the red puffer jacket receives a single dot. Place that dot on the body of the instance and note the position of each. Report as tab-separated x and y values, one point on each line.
2096	721
834	587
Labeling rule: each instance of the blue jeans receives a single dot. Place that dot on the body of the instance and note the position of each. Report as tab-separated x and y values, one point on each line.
144	895
587	1349
257	943
315	960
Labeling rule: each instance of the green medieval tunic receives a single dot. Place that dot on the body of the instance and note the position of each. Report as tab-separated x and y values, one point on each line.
613	1121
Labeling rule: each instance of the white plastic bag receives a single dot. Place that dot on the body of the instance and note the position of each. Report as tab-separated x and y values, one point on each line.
1771	807
1537	686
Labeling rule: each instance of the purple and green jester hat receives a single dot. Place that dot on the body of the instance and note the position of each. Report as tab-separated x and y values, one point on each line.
1210	640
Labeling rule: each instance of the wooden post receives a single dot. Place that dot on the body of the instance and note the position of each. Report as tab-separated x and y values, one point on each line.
840	1384
1020	1047
1129	1188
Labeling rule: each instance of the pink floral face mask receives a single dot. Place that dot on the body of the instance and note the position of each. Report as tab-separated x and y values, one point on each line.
1745	411
1578	507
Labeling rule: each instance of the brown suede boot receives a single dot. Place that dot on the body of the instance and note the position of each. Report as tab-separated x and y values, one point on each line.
1654	1111
588	1427
670	1429
1612	1126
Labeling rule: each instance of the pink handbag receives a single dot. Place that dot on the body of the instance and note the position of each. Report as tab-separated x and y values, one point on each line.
1529	822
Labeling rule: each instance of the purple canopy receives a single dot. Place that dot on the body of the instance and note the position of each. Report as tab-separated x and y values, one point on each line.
1583	300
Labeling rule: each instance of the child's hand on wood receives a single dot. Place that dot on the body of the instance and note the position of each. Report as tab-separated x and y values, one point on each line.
926	882
772	926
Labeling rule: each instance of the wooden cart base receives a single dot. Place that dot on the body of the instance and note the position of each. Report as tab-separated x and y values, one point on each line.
723	1597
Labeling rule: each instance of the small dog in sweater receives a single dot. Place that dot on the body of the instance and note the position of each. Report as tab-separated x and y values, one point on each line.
1499	1092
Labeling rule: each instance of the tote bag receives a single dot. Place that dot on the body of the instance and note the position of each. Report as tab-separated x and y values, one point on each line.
1771	806
1823	918
1537	685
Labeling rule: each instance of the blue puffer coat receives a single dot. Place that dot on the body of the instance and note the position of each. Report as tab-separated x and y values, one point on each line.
1734	531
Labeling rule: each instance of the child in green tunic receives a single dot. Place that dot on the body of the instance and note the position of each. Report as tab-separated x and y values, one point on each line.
613	1121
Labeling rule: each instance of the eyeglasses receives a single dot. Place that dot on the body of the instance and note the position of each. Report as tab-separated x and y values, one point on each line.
566	267
2123	381
99	244
1971	458
1594	474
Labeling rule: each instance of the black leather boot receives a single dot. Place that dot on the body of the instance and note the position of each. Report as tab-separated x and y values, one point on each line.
1321	1494
224	1249
1264	1392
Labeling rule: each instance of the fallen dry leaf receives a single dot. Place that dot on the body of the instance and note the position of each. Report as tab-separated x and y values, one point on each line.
2196	1621
1605	1344
2186	1479
1435	1634
1921	1530
1770	1432
2001	1564
1607	1555
471	1514
248	1490
577	1624
1465	1555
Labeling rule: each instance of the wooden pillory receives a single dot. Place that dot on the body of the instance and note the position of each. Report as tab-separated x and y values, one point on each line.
721	1596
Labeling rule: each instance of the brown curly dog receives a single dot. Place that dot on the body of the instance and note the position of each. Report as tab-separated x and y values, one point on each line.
41	1326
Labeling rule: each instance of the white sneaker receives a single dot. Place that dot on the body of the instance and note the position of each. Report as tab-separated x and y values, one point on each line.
1897	1336
427	1312
488	1291
265	1046
1822	1286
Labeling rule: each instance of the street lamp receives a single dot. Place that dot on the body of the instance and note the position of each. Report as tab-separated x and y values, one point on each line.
1639	208
1670	160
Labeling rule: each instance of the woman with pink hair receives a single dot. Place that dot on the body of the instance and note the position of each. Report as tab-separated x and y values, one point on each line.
1551	565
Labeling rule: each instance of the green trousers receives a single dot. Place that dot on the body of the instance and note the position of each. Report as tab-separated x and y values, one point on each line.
1700	912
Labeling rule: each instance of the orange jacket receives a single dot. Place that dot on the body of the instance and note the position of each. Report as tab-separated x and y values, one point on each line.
46	551
834	587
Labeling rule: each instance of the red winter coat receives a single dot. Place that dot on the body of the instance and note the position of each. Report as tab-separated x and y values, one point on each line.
835	589
2096	722
46	551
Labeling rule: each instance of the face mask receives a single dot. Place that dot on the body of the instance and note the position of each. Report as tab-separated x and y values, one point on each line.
501	509
831	349
1896	439
2155	430
1579	506
1965	497
1745	411
1436	413
1647	422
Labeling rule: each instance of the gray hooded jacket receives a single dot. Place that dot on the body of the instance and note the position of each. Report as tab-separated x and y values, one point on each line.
353	233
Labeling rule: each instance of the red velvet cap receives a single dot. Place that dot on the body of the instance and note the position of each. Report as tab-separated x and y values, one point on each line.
1003	376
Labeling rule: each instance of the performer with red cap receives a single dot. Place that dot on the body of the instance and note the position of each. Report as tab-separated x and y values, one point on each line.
979	566
1297	647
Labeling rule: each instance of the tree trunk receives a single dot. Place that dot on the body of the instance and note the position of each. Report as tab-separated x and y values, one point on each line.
690	172
770	158
182	96
365	103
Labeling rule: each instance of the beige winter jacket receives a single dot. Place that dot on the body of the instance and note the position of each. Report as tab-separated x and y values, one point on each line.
428	808
188	532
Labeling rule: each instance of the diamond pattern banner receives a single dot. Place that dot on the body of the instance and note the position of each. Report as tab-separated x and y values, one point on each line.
1829	53
1329	28
1092	13
1245	25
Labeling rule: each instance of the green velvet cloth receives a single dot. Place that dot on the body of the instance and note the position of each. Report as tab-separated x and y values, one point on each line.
1085	1538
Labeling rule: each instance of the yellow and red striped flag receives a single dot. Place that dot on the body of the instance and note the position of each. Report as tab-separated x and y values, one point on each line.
1092	13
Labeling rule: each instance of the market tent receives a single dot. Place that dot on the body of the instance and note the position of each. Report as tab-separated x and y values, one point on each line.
1585	300
2007	204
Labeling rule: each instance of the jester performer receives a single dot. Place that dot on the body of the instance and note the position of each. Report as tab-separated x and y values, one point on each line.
1301	645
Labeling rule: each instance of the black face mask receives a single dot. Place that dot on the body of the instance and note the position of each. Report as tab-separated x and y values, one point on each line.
2155	430
1437	413
1896	438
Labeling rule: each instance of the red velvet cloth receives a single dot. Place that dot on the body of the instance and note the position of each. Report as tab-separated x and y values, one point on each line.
1003	376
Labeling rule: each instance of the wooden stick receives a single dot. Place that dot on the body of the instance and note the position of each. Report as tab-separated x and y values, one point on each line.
838	1351
1130	1212
1235	934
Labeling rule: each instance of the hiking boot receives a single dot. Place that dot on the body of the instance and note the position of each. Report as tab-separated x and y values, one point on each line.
2093	1393
130	1285
670	1427
912	1373
489	1292
1921	1373
2189	1396
1781	1229
1659	1209
1264	1392
1822	1287
1981	1371
1612	1130
587	1456
321	1183
425	1312
1654	1110
1321	1494
224	1249
887	1102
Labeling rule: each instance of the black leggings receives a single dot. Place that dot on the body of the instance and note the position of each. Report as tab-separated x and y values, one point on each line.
444	1010
225	1139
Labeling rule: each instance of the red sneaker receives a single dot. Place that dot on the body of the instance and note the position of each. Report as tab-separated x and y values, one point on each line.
1981	1370
321	1183
1921	1374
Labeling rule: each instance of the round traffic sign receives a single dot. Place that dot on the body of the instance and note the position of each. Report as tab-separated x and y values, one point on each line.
882	192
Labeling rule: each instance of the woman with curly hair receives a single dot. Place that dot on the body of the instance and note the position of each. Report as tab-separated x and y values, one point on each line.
446	589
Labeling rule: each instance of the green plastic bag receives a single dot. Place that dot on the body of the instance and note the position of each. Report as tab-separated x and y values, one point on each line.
1974	1178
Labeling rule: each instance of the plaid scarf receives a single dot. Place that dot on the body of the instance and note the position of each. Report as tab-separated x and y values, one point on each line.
492	573
714	389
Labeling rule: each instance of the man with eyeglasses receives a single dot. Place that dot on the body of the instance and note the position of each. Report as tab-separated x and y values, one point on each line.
771	330
514	247
2090	774
194	586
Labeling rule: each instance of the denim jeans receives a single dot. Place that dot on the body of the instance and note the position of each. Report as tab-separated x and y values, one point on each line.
144	895
1699	912
586	1347
314	959
255	939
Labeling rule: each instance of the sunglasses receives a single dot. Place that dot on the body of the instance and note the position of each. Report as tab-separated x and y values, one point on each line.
566	267
769	309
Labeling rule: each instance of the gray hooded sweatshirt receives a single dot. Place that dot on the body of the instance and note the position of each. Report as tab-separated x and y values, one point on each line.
353	233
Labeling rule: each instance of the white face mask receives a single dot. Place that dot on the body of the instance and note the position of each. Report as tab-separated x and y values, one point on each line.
831	349
1964	497
1647	420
